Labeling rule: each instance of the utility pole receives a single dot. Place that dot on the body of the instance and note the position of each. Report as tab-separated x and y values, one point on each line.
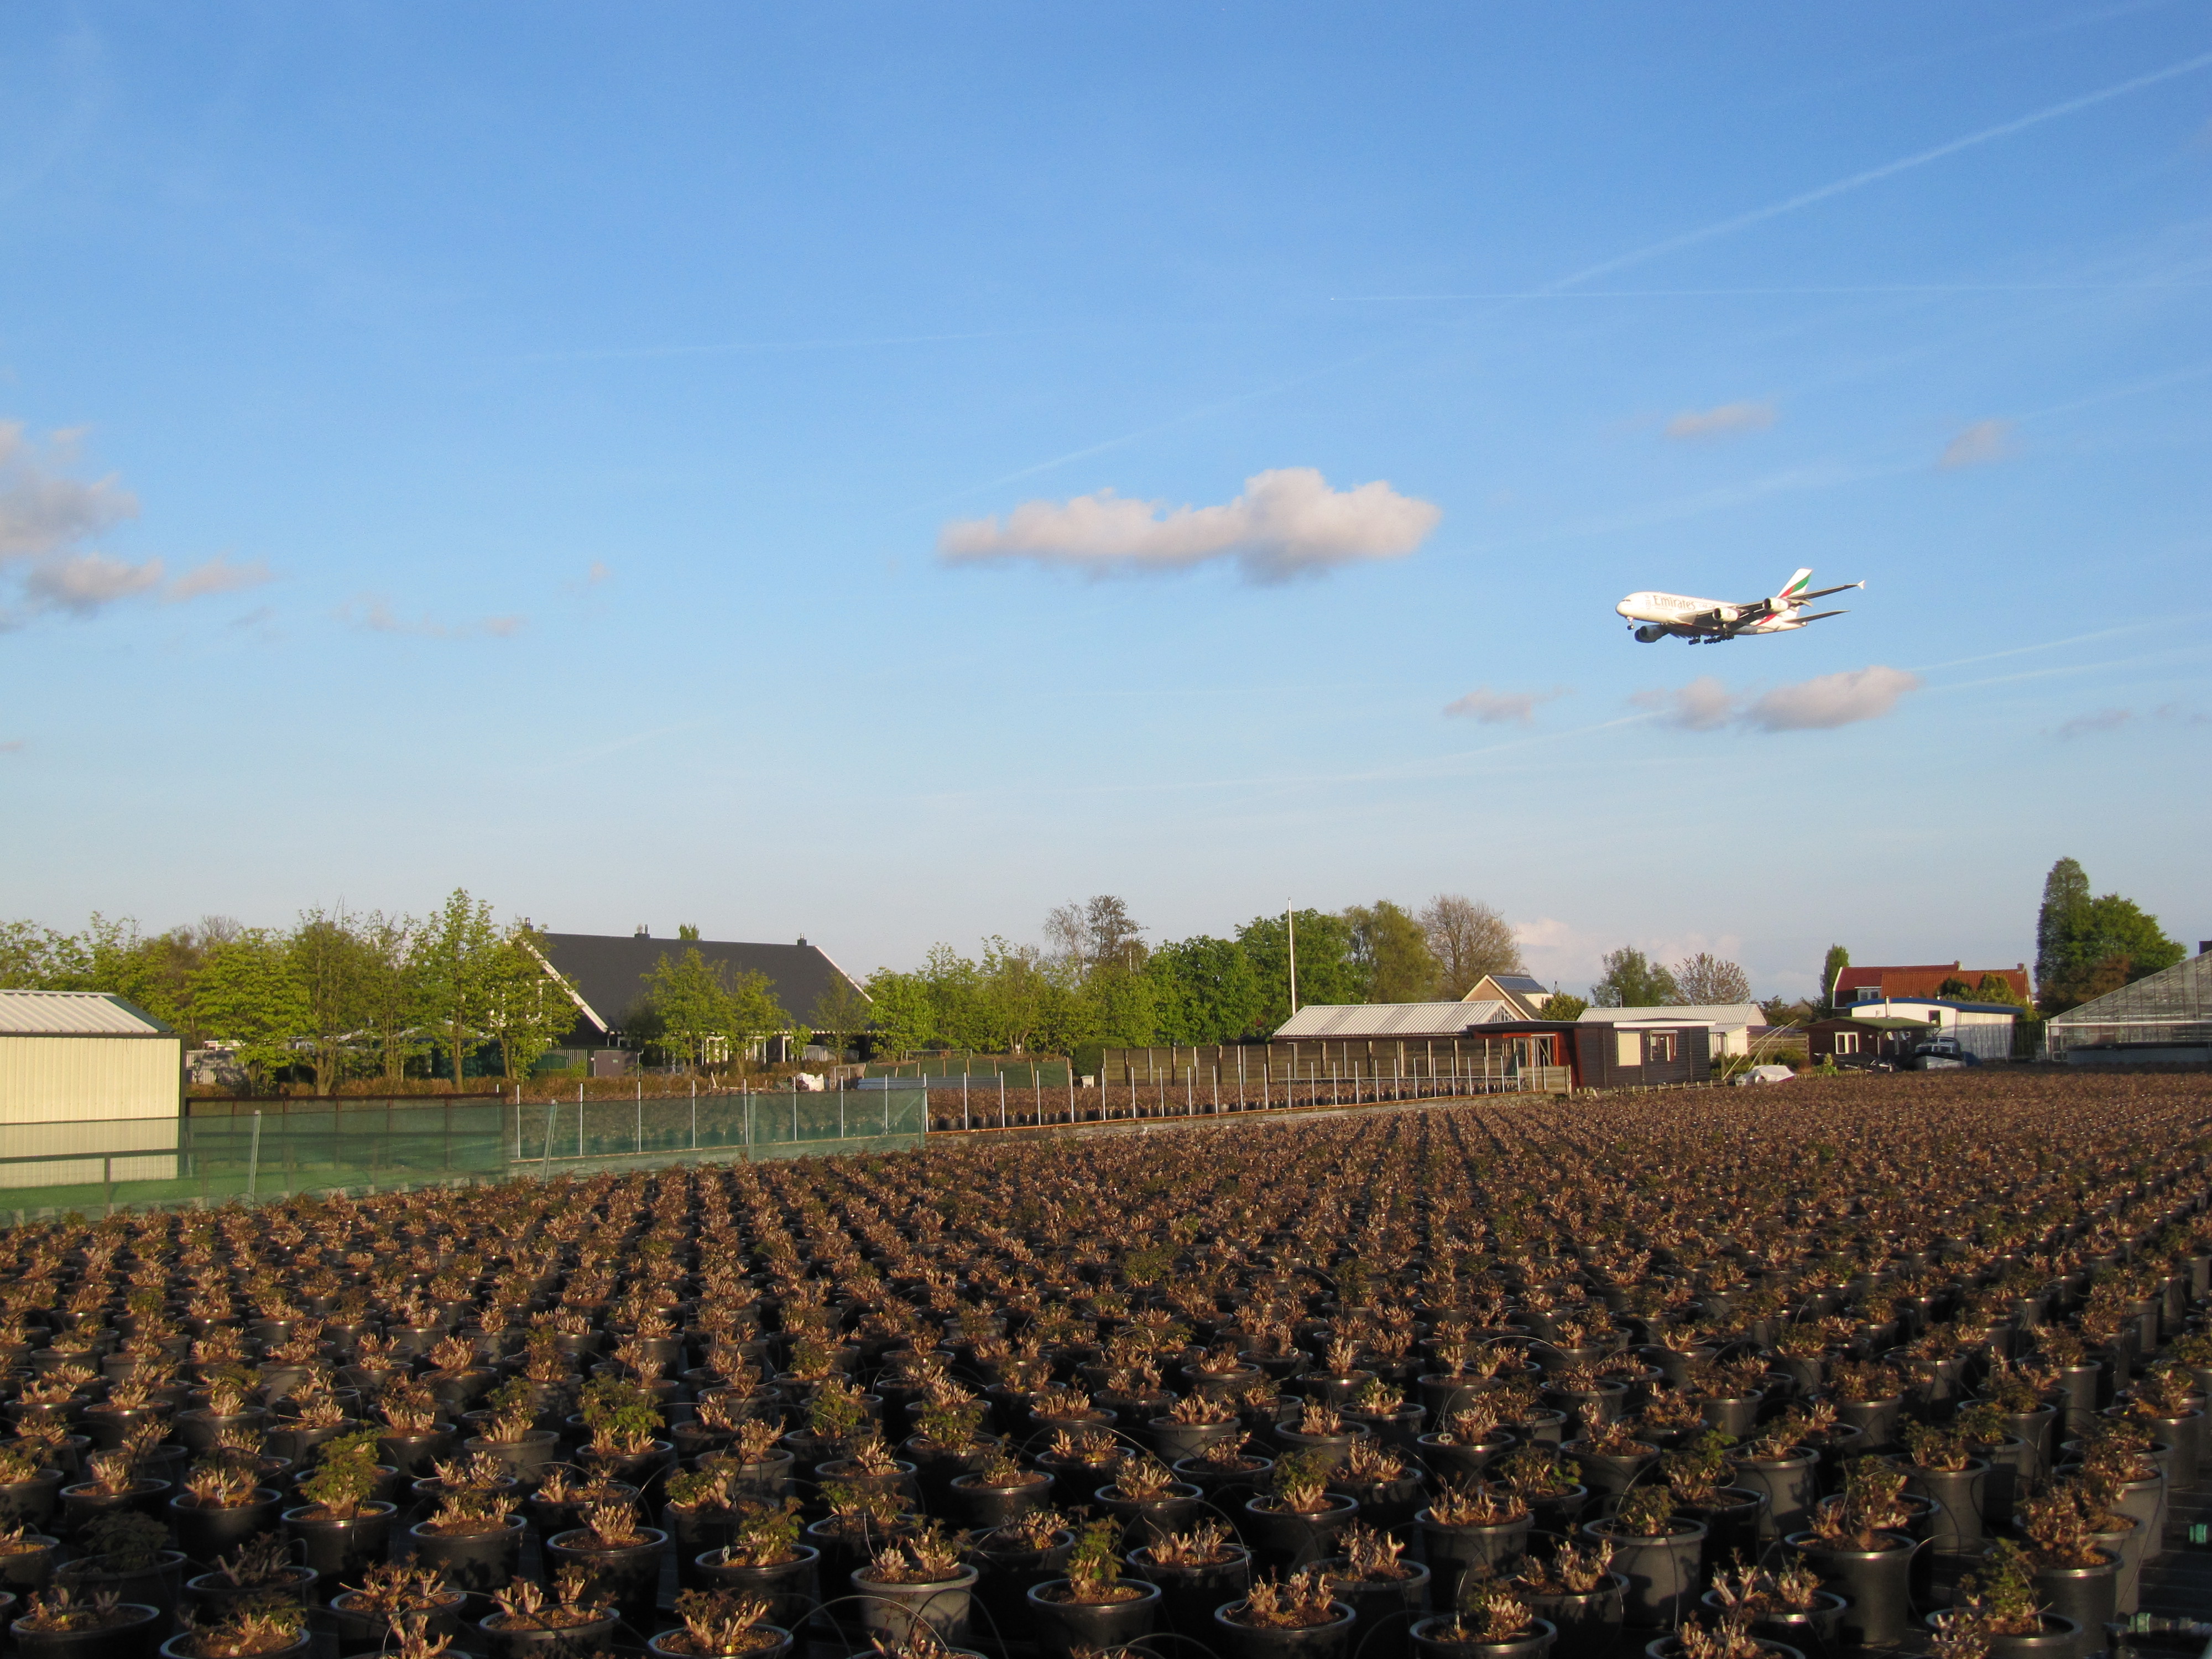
1291	927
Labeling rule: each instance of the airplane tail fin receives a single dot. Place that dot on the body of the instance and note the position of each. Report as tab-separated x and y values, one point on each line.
1796	585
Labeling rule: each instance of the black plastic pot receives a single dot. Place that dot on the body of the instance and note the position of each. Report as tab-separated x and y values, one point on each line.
629	1577
1668	1647
341	1549
81	1507
984	1507
1662	1572
1819	1631
1459	1463
1146	1520
1387	1609
26	1571
888	1613
212	1596
1732	1526
1610	1473
587	1641
360	1631
1876	1582
1455	1552
1188	1596
791	1589
204	1533
1238	1641
1287	1539
416	1455
1171	1440
663	1645
31	1502
1790	1485
478	1562
1588	1623
526	1459
2059	1639
1061	1629
2087	1595
137	1635
1559	1511
1956	1527
1428	1642
187	1646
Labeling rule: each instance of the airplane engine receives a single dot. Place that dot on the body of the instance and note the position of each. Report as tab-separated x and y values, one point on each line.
1650	636
1728	613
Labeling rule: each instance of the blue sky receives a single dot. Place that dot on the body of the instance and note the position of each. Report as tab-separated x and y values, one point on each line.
645	464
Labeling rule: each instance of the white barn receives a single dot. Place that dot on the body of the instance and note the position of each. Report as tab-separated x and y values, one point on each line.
91	1089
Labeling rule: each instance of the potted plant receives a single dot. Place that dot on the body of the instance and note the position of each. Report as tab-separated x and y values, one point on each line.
1376	1478
511	1434
624	1421
1321	1433
221	1508
1196	1572
57	1624
2074	1577
1387	1594
1941	1468
868	1462
1469	1439
920	1579
1000	1489
1093	1606
1193	1424
475	1540
113	1485
1788	1605
341	1529
1496	1624
718	1624
27	1559
621	1555
1777	1461
1656	1551
259	1570
1574	1588
128	1559
249	1631
1474	1527
1296	1618
575	1621
1550	1485
1015	1557
1295	1522
1725	1638
1611	1457
1146	1499
1999	1607
765	1560
1857	1543
1700	1478
27	1488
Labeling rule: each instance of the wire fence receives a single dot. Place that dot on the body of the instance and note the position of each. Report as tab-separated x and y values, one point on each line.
293	1146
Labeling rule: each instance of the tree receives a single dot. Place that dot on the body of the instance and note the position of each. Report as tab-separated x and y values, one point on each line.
1632	981
757	1015
1469	939
456	961
686	930
2104	943
841	1010
2065	894
904	1015
698	1016
1562	1004
1705	980
1831	967
1328	972
249	996
331	965
527	1005
1010	994
392	999
1393	953
1115	938
1206	990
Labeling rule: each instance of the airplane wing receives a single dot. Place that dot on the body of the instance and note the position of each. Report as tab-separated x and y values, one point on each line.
1817	615
1823	592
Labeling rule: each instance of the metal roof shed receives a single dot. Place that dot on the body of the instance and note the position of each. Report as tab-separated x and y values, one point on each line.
85	1079
2163	1019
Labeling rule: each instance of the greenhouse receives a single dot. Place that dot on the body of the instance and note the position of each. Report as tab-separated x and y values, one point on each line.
2164	1019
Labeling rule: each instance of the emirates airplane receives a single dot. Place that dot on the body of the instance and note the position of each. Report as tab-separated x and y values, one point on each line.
1709	620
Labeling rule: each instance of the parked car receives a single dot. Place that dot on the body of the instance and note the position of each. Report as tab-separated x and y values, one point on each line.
1940	1054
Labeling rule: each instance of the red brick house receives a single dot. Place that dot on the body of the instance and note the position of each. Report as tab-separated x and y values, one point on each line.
1856	984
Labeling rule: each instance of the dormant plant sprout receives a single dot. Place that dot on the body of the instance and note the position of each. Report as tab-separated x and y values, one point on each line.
1300	1602
1205	1545
1572	1570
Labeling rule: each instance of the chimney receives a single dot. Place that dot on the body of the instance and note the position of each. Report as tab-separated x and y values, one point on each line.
2204	947
802	941
642	932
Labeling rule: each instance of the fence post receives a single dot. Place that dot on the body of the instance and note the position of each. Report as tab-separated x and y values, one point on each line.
637	1144
253	1156
964	1123
694	1115
841	1113
1002	1096
550	1109
107	1180
1071	1094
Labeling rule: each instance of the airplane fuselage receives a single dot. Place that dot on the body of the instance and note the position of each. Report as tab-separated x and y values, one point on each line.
1687	617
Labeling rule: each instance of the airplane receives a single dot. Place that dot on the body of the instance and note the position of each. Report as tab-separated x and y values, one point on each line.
1709	621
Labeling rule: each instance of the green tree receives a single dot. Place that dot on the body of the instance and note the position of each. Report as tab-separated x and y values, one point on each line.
1393	952
1329	972
905	1017
686	930
1123	1006
698	1014
527	1007
1831	966
1562	1004
1204	990
2065	895
1009	993
456	961
2108	942
1705	981
842	1012
393	1001
331	963
1633	980
755	1013
35	958
250	998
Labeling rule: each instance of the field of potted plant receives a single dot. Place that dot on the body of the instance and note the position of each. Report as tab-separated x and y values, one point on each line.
1686	1374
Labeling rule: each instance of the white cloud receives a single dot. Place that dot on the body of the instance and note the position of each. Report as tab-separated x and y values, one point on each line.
598	574
1500	708
81	583
1983	442
1287	523
43	510
1860	694
1832	700
373	615
2112	720
217	575
1724	422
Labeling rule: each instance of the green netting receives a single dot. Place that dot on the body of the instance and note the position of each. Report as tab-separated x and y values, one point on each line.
402	1144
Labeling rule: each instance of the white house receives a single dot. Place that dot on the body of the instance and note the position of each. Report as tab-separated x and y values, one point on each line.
1981	1029
91	1089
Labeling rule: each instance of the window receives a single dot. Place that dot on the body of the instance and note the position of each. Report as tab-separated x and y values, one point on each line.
1661	1050
1847	1042
1627	1048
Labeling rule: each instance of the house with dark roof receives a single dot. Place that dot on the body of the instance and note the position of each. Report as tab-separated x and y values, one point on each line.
608	976
1920	982
1524	994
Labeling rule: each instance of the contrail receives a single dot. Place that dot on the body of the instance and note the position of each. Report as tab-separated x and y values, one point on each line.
1887	170
1769	293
